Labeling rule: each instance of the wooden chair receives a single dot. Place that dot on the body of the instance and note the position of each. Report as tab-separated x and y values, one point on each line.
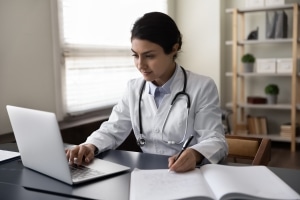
248	150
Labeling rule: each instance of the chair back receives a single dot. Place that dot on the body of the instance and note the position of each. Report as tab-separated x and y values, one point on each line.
249	150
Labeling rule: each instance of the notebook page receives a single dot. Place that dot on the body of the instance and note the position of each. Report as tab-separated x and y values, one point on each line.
256	181
5	155
162	184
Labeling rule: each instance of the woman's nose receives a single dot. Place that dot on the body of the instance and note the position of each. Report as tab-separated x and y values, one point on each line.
140	63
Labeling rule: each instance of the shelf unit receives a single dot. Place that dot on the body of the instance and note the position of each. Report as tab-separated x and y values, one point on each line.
238	43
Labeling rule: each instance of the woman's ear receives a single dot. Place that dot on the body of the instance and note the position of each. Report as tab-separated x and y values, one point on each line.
175	47
175	50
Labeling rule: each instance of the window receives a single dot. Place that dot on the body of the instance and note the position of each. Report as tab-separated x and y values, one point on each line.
95	38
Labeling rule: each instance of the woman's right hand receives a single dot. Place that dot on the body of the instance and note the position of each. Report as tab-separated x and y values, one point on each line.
81	153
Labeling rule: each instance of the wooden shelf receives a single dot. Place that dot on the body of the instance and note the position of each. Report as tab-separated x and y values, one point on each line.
239	83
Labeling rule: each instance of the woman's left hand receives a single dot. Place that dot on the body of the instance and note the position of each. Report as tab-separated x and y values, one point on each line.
186	162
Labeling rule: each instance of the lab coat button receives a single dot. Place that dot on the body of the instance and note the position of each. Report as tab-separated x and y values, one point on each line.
156	130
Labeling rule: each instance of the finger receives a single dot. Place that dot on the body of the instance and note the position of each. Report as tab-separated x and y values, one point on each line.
178	164
81	153
89	156
67	151
171	161
184	163
72	154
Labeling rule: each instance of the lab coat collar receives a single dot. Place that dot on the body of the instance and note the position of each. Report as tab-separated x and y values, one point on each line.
150	88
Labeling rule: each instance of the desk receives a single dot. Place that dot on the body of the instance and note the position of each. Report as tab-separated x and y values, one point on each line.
13	176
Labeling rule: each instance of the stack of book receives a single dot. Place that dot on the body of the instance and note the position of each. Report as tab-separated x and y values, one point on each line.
286	130
257	125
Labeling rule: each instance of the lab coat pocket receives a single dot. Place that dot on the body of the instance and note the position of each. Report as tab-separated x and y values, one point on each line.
176	123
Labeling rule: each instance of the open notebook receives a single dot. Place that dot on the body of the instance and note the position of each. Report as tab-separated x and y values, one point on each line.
41	147
211	182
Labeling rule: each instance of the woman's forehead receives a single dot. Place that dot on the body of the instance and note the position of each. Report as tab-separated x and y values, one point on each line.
142	46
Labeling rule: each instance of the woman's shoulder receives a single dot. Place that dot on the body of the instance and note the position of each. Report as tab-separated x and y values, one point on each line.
199	77
134	83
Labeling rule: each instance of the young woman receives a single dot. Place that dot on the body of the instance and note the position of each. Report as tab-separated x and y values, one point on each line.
165	107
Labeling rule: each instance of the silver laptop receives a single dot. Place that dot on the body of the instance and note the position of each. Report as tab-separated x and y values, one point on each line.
41	147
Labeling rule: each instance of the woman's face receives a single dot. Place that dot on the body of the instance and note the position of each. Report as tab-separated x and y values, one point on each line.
151	60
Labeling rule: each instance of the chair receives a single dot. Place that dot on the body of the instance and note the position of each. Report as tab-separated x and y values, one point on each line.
248	150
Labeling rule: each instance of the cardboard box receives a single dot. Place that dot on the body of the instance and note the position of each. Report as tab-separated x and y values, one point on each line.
266	65
254	3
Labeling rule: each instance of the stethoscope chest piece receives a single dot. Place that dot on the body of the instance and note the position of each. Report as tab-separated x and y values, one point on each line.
141	142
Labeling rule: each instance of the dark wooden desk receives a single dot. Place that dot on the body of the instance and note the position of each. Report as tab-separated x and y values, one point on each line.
15	179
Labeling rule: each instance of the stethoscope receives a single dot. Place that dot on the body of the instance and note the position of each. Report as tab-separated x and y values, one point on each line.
141	141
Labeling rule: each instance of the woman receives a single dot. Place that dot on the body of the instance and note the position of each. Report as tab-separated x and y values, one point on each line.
146	106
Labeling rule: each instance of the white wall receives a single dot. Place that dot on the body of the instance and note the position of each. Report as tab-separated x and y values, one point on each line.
26	57
199	22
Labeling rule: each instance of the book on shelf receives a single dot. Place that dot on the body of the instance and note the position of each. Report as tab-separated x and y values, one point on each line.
286	130
251	125
263	125
211	182
285	134
257	125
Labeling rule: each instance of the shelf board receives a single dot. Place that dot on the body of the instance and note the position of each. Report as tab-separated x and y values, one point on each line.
254	74
258	9
264	106
271	136
263	41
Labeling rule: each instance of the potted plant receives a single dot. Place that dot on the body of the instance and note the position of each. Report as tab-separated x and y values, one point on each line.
248	62
272	91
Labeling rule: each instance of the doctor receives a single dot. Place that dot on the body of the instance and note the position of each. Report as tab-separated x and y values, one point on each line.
165	107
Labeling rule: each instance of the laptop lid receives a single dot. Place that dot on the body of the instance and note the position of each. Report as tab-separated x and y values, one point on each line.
41	147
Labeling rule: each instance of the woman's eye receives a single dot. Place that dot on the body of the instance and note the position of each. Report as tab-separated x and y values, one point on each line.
149	56
134	55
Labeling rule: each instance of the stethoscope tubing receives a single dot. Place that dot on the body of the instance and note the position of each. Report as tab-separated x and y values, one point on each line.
141	141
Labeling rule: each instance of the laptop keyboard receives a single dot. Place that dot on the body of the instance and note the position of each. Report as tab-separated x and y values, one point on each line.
80	172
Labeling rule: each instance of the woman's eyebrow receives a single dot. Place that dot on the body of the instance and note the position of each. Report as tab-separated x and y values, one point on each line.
146	52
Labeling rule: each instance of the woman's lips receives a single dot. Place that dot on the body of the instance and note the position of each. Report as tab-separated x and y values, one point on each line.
146	73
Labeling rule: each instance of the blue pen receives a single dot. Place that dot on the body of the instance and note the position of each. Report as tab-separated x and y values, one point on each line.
185	145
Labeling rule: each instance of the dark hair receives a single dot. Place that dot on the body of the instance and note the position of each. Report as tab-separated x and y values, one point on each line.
158	28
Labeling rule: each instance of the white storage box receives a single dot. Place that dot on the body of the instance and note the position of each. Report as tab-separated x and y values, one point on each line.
274	2
254	3
285	65
266	65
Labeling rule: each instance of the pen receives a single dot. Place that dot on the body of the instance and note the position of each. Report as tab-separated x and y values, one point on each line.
185	145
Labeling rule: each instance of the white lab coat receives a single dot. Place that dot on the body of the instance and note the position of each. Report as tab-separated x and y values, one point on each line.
204	120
